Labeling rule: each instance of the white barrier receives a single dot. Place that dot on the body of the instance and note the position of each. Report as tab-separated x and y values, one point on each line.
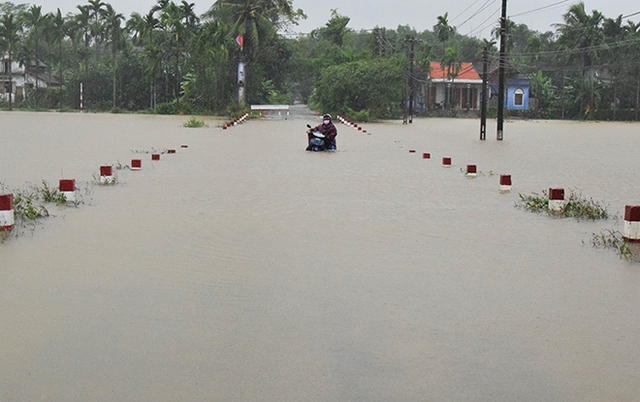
279	108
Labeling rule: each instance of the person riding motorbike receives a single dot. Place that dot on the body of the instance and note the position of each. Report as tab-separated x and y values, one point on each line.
328	130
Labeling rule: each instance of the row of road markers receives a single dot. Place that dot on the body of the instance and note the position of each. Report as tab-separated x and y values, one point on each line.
631	230
471	171
236	121
349	123
68	188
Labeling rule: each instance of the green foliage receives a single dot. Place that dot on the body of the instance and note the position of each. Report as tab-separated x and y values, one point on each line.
50	194
613	239
373	85
170	56
576	206
166	108
194	123
362	116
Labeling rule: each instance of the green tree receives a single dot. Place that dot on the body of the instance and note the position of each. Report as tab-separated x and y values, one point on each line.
336	29
35	20
580	35
373	86
10	28
115	35
451	66
443	30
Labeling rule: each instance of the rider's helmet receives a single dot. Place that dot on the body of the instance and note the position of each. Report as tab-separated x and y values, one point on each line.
326	116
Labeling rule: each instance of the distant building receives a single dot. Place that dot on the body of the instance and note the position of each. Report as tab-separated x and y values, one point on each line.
16	78
457	91
517	86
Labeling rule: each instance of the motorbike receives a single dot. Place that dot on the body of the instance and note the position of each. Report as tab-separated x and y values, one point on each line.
317	142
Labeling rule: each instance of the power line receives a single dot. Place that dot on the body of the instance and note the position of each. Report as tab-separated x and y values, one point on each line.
465	10
481	27
481	9
539	9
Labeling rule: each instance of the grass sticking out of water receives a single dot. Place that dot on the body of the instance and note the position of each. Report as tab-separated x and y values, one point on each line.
613	240
194	123
29	208
576	206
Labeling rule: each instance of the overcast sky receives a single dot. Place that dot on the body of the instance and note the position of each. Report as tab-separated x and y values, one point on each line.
470	17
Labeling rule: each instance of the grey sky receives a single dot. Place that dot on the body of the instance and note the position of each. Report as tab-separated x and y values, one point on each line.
421	15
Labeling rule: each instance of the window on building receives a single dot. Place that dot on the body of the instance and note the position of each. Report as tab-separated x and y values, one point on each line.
518	97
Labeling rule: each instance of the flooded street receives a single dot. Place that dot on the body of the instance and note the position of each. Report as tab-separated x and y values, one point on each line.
243	268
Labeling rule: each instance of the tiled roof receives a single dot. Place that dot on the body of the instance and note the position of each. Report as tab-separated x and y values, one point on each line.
467	72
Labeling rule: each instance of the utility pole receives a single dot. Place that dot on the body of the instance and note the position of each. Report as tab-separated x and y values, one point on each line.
411	94
483	105
503	38
412	41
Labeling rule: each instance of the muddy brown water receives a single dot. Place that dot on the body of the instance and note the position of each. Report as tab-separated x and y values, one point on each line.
243	268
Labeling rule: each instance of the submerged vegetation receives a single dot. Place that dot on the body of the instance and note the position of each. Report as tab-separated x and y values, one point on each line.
194	123
29	206
612	239
575	206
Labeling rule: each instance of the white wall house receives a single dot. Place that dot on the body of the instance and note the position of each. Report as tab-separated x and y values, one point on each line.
16	79
462	92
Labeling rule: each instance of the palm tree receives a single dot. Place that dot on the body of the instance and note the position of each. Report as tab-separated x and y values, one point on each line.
153	67
443	30
171	21
97	12
9	30
55	31
59	31
115	35
34	19
450	65
81	30
581	33
256	20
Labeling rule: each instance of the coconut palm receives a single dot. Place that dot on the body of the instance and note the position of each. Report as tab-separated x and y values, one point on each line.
115	35
35	20
581	34
10	28
80	30
443	30
256	20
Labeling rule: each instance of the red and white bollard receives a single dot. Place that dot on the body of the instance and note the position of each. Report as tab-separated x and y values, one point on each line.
426	155
632	223
472	171
556	199
505	183
136	164
7	218
106	174
446	162
155	157
68	188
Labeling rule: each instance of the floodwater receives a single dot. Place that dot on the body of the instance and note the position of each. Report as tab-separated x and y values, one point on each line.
243	268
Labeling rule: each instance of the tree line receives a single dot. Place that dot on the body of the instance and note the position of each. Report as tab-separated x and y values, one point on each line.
170	60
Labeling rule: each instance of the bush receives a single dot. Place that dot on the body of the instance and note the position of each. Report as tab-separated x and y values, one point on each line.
194	123
166	108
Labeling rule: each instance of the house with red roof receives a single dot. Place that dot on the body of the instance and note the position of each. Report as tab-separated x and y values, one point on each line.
455	88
